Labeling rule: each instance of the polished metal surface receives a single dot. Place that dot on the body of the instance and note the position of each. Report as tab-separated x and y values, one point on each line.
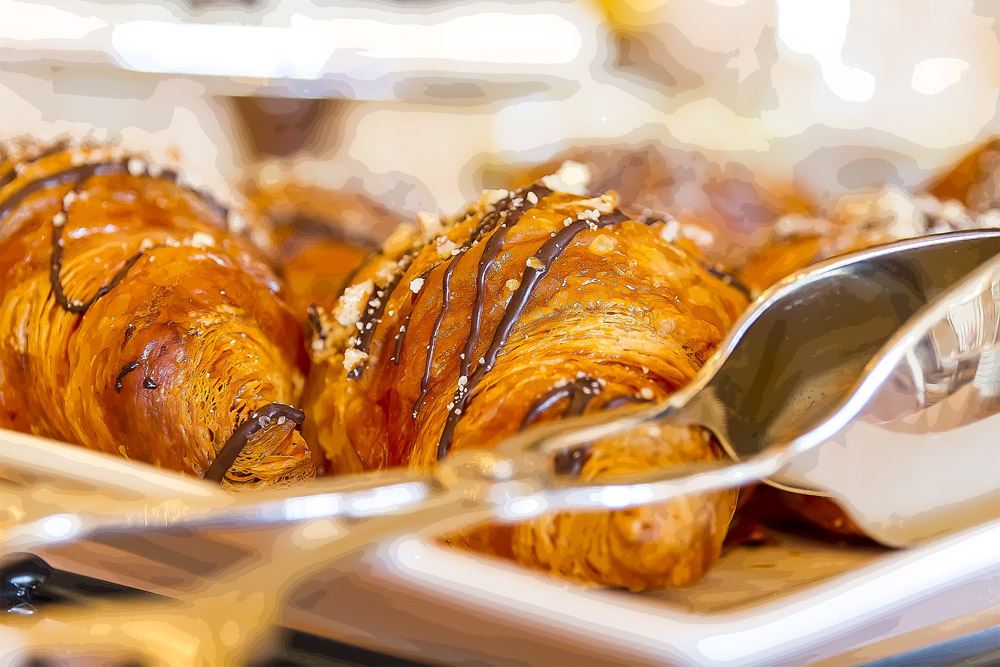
803	349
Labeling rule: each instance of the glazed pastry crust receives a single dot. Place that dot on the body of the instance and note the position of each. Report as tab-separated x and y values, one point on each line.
621	308
173	358
321	238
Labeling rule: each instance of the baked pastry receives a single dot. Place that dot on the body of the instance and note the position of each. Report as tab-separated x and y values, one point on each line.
967	197
534	305
139	318
321	238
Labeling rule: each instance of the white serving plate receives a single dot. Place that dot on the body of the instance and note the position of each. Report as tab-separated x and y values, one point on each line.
795	602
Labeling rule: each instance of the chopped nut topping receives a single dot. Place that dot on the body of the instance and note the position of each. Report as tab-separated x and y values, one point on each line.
646	393
670	231
400	240
430	225
236	222
352	303
386	271
416	284
490	197
136	167
445	246
532	198
512	284
698	235
534	263
202	240
353	358
571	178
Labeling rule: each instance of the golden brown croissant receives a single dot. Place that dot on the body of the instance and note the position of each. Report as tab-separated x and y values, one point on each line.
322	237
535	305
135	320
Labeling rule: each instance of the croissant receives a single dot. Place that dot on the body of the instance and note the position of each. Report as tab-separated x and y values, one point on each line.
534	305
322	237
138	318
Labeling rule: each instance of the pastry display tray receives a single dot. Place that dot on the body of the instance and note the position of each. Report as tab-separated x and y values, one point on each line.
798	601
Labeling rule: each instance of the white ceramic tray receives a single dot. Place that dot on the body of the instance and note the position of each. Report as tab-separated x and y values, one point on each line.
799	601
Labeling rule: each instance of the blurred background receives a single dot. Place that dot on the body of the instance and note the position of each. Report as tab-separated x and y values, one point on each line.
728	111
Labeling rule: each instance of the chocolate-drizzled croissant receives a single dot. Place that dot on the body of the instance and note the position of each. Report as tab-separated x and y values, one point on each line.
135	320
534	305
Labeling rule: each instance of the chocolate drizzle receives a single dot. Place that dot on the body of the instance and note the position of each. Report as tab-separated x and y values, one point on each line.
259	419
126	369
571	461
76	174
373	315
11	174
546	255
726	277
579	391
79	173
401	334
55	267
56	259
445	298
490	252
505	214
313	314
625	399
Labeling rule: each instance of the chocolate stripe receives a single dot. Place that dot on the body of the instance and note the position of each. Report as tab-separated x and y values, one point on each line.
56	259
490	252
505	214
259	419
81	172
372	316
126	369
74	174
580	391
401	334
445	298
546	255
11	174
368	333
619	401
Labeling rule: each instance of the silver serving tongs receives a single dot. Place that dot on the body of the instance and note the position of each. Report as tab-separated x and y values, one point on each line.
876	356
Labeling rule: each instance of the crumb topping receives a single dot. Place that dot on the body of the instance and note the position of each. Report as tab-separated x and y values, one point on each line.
353	358
571	178
351	304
